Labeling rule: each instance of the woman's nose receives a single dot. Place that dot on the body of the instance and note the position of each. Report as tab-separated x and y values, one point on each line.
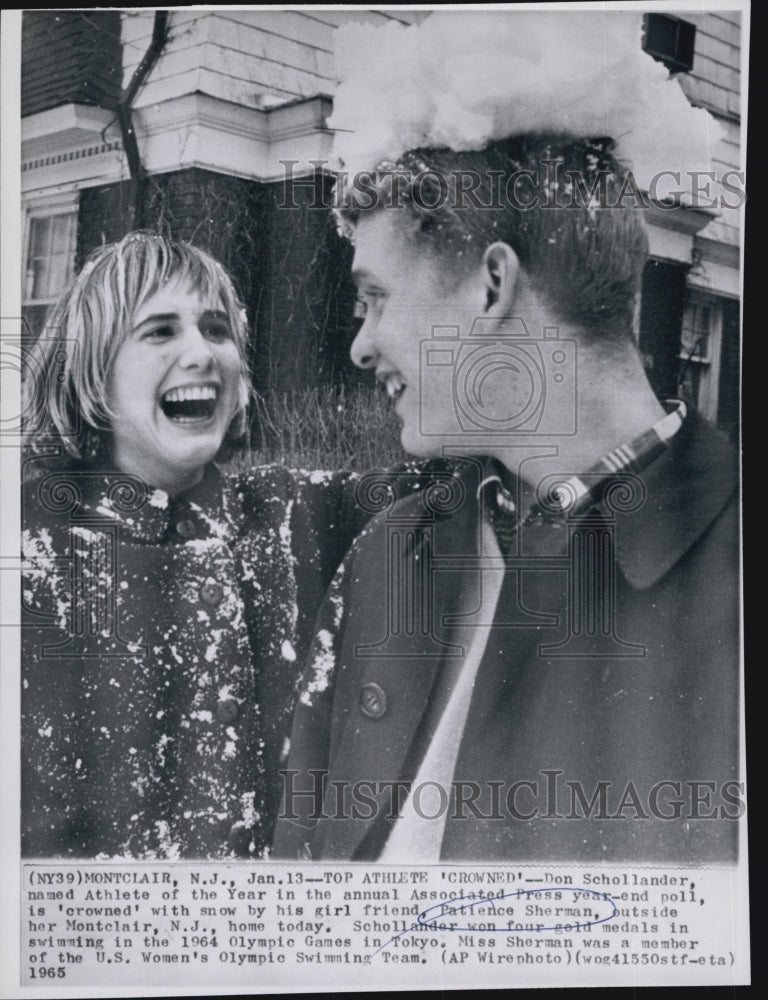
362	350
196	349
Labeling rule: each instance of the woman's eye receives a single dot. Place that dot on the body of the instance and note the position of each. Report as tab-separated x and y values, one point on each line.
217	332
159	333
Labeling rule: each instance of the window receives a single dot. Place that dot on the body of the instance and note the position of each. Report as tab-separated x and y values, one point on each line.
708	361
49	261
695	363
670	40
49	258
728	393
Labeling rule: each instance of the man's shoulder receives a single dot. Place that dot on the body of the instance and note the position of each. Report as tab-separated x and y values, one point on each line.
416	492
700	448
702	474
688	503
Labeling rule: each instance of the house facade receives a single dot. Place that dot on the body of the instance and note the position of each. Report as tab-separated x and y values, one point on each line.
202	124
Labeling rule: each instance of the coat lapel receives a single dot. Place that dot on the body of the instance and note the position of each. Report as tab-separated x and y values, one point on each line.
399	638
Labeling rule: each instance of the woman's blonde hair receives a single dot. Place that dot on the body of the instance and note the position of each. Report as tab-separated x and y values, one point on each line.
65	387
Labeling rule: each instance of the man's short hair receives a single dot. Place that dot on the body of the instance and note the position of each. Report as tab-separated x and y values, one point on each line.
564	205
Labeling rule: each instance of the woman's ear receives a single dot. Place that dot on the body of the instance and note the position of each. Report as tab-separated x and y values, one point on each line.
501	273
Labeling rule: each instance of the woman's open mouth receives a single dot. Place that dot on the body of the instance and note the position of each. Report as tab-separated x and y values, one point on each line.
189	403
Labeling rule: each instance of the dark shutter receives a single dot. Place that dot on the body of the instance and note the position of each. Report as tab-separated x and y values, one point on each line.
661	320
670	40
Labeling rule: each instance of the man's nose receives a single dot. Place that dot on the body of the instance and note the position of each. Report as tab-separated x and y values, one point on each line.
363	351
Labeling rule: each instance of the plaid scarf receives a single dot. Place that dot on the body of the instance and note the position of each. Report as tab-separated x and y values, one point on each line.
574	495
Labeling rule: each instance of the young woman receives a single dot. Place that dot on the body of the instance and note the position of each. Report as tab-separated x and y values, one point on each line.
166	606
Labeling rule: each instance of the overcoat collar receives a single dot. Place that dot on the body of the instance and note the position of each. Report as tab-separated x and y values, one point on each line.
670	504
686	489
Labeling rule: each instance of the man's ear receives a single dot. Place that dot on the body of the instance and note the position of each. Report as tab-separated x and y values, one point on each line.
501	273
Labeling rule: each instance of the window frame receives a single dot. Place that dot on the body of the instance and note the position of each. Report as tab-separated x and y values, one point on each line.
708	364
46	209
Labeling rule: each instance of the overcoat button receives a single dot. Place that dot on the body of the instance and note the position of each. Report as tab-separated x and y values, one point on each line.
239	838
211	593
373	701
186	528
227	711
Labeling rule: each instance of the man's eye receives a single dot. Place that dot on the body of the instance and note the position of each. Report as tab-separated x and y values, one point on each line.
368	301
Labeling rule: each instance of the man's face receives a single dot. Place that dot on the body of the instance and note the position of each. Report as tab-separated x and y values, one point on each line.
406	294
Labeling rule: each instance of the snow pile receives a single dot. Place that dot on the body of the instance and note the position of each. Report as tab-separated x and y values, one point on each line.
462	79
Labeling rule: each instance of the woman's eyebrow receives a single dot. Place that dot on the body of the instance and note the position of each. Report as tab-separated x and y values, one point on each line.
172	317
157	318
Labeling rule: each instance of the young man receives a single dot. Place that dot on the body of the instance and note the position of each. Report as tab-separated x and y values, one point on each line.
540	660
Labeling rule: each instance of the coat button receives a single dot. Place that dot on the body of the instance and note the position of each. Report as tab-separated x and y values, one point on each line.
239	838
186	528
373	701
227	711
211	593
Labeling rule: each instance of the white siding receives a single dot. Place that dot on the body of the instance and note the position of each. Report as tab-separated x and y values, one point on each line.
251	55
261	58
715	81
247	57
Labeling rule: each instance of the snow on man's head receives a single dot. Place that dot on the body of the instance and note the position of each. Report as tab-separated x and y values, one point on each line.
461	79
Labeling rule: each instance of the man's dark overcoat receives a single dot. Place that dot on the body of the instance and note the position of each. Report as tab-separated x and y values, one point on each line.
604	719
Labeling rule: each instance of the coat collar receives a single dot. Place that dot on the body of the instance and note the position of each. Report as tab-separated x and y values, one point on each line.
687	487
667	506
143	514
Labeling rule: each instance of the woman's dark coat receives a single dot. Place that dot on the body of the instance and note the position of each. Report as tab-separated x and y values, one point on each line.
162	642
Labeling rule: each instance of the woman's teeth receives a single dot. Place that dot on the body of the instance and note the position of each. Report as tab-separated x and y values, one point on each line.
189	402
184	392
